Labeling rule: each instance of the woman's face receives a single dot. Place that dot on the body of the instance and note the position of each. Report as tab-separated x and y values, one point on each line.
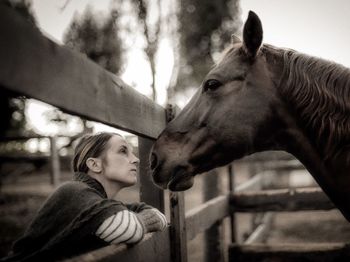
119	163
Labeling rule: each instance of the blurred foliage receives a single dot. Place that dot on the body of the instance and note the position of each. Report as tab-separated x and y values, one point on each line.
205	28
12	106
12	113
151	33
98	38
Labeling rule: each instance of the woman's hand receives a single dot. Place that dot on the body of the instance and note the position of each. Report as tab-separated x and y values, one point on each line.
152	220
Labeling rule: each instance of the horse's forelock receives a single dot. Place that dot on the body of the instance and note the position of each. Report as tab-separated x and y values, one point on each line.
230	49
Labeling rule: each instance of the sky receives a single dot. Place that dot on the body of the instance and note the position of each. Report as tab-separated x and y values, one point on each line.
317	27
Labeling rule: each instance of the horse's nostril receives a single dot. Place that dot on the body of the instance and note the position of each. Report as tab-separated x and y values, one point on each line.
153	161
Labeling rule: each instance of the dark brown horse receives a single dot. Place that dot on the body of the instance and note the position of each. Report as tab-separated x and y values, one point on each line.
257	98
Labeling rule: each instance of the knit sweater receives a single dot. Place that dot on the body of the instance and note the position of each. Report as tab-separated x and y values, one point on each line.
75	219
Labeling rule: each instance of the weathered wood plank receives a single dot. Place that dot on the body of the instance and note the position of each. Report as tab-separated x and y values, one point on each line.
149	192
281	200
204	216
231	187
154	247
267	156
284	165
325	252
261	232
213	236
253	183
35	66
178	227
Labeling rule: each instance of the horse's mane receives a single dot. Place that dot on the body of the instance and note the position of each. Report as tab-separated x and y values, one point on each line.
320	92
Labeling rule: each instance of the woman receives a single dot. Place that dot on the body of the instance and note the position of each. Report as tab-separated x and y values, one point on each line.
82	214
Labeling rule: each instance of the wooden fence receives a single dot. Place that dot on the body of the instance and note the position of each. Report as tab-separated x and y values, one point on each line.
34	66
53	158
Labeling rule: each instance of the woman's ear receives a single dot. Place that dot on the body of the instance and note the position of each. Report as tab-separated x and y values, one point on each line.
94	164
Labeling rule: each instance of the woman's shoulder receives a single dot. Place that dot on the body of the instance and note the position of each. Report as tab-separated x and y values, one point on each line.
71	187
74	191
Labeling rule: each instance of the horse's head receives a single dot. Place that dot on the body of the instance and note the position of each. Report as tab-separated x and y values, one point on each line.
225	120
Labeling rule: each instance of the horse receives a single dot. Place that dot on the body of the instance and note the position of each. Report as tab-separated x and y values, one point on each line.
259	97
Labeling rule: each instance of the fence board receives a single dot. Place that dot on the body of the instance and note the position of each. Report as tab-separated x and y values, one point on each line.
281	200
204	216
154	247
261	232
325	252
178	227
213	236
252	184
35	66
231	187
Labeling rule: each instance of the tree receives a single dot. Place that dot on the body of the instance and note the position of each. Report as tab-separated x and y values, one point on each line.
151	32
204	28
99	41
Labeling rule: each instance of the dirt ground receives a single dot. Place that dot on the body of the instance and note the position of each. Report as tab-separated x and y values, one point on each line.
21	198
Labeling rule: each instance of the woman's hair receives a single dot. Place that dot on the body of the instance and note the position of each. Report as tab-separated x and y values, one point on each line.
90	146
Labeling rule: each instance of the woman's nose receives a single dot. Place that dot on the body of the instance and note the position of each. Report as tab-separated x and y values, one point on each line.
135	160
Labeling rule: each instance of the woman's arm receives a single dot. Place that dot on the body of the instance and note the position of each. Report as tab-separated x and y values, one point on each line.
127	227
138	206
152	219
122	227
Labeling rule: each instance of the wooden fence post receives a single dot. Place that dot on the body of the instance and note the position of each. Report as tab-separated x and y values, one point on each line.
213	236
178	227
54	162
231	183
178	232
149	193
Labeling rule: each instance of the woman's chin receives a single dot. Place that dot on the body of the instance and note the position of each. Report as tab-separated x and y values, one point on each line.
130	182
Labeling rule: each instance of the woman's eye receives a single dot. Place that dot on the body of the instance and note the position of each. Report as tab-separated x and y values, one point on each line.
123	151
211	85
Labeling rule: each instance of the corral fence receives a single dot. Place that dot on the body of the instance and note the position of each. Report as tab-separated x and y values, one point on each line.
34	66
38	159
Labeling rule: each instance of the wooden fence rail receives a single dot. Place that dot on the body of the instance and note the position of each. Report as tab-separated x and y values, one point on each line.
323	252
281	200
34	66
260	233
204	216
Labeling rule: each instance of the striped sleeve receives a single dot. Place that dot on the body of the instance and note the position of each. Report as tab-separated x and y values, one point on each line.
122	227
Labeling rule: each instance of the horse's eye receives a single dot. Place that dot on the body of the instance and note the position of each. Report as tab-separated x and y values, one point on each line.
211	85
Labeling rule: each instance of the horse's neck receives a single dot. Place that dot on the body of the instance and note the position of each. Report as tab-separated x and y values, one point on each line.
333	175
318	94
308	143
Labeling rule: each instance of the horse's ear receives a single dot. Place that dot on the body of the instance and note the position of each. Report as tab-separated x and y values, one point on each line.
252	34
235	39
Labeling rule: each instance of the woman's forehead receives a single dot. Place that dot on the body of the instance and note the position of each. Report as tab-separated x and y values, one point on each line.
117	141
